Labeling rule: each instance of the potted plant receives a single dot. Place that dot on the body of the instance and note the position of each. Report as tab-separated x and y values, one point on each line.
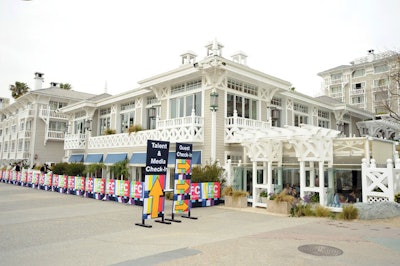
109	131
280	203
264	196
234	198
134	128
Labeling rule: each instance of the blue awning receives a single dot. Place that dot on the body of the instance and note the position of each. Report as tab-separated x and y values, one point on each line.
140	158
115	158
76	158
94	158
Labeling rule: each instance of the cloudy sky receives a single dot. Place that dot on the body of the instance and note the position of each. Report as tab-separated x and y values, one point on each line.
90	42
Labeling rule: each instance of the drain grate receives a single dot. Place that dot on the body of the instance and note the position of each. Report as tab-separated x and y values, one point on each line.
320	250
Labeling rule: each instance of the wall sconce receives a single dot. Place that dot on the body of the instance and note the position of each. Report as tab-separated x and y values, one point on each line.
152	112
213	101
88	125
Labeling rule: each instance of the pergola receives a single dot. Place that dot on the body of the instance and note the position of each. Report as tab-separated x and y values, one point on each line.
310	144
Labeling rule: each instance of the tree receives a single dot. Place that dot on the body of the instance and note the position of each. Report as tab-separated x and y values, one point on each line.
65	86
120	170
388	95
18	89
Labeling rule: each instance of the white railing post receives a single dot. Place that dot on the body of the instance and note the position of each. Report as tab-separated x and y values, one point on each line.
364	179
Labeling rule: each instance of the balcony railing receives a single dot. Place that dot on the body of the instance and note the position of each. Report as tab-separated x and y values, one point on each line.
357	91
55	135
74	141
184	129
46	112
235	124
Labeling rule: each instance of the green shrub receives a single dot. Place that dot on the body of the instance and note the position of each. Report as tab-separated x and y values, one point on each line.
134	128
229	191
75	169
207	173
349	212
321	211
284	196
299	209
58	168
397	198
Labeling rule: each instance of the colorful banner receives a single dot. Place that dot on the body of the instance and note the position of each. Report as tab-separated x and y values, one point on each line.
89	184
182	178
155	177
110	189
136	190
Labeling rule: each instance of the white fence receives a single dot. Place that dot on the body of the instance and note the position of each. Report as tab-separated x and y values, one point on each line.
380	184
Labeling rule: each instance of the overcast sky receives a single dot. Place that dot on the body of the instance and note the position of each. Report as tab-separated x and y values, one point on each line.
90	42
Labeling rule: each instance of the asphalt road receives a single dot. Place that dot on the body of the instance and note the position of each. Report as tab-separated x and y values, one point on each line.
47	228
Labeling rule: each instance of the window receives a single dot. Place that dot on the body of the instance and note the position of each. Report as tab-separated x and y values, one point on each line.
357	100
105	111
336	89
56	105
300	108
57	126
358	73
245	107
300	119
105	123
276	101
26	145
183	106
127	106
337	76
127	120
323	119
242	86
186	86
20	145
381	68
358	86
380	82
381	96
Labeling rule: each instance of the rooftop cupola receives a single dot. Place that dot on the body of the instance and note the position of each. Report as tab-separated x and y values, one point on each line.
240	57
188	57
38	80
214	48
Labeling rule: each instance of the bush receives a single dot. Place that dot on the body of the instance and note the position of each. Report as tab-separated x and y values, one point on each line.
349	212
299	209
71	169
229	191
397	198
321	211
207	173
109	131
59	168
134	128
284	196
75	169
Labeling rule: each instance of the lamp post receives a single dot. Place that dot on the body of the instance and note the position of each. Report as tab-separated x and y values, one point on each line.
213	108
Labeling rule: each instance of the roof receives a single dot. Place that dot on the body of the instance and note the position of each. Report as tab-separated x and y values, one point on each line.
62	93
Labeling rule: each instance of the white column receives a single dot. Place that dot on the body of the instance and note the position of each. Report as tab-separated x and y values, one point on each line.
312	174
254	178
302	178
270	188
213	136
322	195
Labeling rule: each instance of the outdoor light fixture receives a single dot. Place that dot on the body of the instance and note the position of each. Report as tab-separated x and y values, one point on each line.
88	125
214	101
152	112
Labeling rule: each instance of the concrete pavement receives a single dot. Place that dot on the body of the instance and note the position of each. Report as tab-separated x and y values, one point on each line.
47	228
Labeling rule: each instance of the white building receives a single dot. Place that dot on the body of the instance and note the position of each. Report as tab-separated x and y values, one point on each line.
263	133
369	83
31	129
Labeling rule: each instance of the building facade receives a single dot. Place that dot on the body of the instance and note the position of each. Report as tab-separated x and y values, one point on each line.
370	83
264	134
32	128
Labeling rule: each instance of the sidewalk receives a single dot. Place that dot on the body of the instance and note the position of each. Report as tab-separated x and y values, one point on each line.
47	228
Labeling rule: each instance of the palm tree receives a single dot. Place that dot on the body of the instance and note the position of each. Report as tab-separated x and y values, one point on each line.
120	170
65	86
18	89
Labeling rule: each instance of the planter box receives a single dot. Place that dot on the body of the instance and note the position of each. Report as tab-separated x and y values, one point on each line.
240	202
281	207
264	199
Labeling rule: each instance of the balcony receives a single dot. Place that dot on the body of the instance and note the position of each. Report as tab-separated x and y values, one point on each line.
55	135
235	124
360	91
29	112
46	113
380	88
183	129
